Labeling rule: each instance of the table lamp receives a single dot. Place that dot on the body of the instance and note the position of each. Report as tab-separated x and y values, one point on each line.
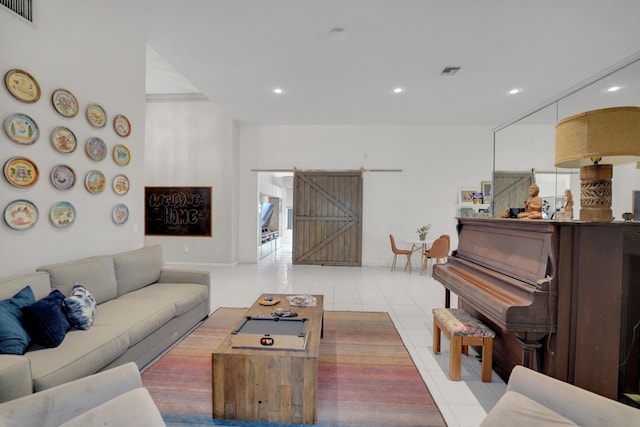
594	141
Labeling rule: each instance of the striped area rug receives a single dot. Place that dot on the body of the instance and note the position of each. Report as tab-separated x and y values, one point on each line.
365	375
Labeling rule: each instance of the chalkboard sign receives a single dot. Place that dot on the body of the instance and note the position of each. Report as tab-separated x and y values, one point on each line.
177	211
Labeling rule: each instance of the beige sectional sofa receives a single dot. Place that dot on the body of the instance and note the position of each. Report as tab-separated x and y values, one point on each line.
142	309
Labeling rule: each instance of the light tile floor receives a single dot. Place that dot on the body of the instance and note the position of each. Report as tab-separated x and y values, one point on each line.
407	297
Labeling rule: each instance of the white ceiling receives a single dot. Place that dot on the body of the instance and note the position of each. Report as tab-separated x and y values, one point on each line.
236	52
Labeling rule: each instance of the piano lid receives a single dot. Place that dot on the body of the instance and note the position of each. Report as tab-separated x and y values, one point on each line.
518	248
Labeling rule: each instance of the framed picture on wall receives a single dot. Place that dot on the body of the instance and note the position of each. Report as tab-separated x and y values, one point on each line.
466	195
636	205
486	191
177	211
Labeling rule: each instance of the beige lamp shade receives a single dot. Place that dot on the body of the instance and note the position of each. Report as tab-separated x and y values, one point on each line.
610	133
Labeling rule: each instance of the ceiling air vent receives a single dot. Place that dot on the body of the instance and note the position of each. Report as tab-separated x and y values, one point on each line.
450	71
23	8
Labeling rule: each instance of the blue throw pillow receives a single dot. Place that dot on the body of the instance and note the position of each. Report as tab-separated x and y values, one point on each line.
46	322
14	339
80	307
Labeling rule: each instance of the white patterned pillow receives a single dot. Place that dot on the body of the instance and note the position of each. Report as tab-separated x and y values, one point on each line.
80	307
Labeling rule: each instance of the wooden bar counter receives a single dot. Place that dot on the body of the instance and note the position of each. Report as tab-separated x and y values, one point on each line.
269	385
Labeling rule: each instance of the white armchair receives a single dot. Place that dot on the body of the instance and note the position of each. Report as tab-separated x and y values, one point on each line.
535	399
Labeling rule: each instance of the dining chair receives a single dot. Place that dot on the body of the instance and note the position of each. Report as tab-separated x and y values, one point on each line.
397	252
423	256
438	251
446	236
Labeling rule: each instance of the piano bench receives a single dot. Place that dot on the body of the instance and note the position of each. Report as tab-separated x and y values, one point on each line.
463	330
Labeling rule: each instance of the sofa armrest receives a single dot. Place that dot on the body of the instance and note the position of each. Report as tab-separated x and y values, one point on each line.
579	405
59	404
175	275
134	408
15	377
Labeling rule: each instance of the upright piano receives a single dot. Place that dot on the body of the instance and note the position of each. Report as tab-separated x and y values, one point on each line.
562	297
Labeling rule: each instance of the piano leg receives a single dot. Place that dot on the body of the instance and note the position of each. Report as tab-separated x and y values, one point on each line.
530	357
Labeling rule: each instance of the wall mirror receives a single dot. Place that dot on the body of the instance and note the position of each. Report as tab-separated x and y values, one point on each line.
524	148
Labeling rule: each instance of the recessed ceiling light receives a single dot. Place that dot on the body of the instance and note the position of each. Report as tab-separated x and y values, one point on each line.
278	91
398	90
514	91
338	35
613	89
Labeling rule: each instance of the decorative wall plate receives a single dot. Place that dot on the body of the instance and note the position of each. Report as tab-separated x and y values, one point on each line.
121	125
62	177
21	172
121	184
64	103
121	155
62	214
21	214
21	128
120	214
95	182
96	149
22	85
96	116
63	140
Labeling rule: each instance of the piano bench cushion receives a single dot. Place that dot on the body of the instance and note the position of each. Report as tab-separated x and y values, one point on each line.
460	323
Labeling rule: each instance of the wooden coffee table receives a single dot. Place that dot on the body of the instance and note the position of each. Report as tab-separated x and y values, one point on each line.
268	385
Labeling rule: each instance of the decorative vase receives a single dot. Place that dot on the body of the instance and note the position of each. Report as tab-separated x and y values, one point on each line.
422	236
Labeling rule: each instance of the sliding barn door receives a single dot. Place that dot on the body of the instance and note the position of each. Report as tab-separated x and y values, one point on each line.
327	226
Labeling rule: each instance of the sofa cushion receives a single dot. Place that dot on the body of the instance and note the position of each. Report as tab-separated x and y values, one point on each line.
133	408
515	409
82	353
46	322
14	338
15	377
137	269
37	281
96	273
139	317
185	296
80	307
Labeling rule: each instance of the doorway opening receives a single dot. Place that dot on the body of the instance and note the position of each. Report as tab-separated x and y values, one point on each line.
275	201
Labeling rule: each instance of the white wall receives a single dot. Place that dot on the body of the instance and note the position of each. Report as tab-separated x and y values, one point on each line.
435	162
79	46
190	143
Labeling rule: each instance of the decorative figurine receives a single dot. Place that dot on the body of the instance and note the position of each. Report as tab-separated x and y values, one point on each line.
532	206
568	207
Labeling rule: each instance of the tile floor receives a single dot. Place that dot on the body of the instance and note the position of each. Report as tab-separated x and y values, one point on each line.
408	298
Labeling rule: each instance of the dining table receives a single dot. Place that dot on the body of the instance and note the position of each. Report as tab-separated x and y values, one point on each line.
419	244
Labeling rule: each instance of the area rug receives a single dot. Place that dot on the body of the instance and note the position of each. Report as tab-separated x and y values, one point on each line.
366	376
